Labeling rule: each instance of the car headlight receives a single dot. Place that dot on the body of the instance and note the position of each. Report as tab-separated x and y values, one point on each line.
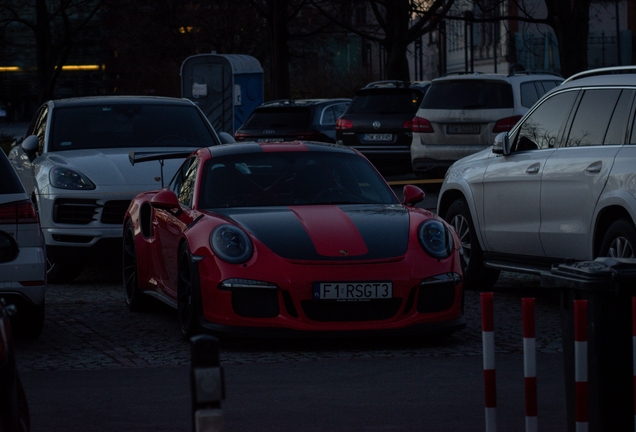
66	178
435	239
231	244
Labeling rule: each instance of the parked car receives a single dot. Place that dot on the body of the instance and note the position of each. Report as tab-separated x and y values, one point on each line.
289	120
74	163
22	275
378	123
462	114
559	186
14	407
291	237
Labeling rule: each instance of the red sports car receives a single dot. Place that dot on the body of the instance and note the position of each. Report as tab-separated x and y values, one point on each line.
283	238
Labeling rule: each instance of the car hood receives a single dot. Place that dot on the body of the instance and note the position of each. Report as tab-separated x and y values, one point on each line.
328	232
480	155
112	167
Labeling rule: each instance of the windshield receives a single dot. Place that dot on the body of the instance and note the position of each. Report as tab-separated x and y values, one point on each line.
468	94
291	178
390	101
279	118
128	125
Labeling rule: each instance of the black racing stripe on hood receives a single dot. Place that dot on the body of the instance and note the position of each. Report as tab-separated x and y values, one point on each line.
384	228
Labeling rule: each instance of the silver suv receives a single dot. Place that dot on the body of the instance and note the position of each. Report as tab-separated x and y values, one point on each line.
561	185
462	114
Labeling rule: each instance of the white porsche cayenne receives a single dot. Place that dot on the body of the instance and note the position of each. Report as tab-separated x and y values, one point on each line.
74	163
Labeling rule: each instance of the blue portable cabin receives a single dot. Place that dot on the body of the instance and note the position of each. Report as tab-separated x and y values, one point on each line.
227	87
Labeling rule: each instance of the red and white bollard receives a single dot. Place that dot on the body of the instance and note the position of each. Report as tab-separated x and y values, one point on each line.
529	363
580	366
488	341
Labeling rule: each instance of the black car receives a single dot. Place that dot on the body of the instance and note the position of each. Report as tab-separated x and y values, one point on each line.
378	122
289	120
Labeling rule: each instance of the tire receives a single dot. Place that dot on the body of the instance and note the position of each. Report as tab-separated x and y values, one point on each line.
186	303
619	240
30	322
476	275
136	300
62	272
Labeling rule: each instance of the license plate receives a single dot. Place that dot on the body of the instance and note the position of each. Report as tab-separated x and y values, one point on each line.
378	137
268	139
462	129
353	291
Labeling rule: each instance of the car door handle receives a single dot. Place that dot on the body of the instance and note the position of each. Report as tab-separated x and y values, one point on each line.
533	169
594	168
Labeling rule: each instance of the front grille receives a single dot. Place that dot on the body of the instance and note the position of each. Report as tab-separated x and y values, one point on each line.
255	302
326	310
74	211
114	211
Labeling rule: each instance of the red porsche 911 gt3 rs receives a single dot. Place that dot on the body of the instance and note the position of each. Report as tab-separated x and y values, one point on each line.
283	238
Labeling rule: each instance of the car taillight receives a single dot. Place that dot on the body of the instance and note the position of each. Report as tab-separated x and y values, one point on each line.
407	124
241	136
18	213
342	124
421	125
505	124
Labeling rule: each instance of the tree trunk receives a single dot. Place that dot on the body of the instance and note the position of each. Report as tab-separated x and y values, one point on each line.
571	24
397	42
44	51
279	71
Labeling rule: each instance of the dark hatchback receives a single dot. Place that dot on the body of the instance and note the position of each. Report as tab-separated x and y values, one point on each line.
290	120
379	120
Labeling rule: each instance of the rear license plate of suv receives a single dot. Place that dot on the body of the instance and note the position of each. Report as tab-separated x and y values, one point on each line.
462	129
378	137
353	291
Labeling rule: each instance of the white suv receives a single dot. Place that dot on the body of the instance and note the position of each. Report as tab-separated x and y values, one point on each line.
561	185
461	115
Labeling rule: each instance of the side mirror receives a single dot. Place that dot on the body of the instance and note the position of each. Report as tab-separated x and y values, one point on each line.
8	247
226	138
498	147
412	195
30	144
166	200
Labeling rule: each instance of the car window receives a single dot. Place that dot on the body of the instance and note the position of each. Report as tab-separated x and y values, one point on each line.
109	125
618	124
291	178
183	182
279	118
529	94
468	94
38	126
385	101
540	130
592	117
331	113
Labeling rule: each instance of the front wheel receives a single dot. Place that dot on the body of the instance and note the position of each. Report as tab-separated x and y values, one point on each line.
619	240
186	304
135	298
476	275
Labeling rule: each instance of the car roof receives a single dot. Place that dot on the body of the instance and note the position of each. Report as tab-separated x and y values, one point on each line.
92	100
511	77
619	75
277	147
301	102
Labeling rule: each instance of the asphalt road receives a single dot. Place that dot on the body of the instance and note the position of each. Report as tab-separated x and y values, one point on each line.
99	367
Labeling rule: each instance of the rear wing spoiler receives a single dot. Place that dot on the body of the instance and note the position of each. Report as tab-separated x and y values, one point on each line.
136	157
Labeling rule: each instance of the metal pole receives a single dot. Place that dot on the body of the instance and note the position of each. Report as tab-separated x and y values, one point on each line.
207	384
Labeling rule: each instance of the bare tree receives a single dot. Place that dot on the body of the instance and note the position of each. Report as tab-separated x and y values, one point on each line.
397	23
56	27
